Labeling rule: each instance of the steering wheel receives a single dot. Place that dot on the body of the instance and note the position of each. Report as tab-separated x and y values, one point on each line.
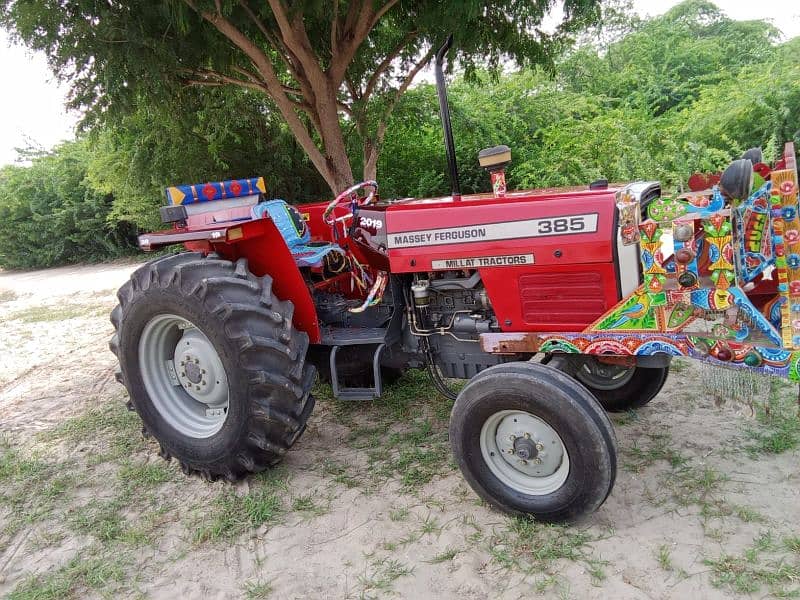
349	196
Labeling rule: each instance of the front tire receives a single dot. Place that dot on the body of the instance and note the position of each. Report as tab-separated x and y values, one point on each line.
533	442
212	364
619	389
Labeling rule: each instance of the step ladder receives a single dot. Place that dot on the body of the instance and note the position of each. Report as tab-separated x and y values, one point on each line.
358	393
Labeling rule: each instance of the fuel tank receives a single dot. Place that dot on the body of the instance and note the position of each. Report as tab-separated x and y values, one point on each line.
548	259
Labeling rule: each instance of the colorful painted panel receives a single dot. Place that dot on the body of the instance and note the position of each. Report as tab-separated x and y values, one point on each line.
220	190
772	361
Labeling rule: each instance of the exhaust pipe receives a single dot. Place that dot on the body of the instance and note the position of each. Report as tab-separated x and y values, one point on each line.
444	112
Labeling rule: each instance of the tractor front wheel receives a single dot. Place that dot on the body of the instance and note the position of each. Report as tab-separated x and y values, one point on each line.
532	441
620	388
212	364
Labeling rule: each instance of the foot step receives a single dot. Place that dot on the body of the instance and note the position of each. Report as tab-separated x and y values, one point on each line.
358	393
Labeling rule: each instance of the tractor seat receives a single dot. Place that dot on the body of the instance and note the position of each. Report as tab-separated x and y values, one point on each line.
295	233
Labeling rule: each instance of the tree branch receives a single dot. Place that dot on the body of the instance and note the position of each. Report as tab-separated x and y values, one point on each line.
384	64
289	59
409	78
305	56
335	28
272	86
372	146
214	79
382	11
351	88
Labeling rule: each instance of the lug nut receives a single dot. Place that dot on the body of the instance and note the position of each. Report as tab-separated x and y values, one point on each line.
538	461
512	437
527	435
539	446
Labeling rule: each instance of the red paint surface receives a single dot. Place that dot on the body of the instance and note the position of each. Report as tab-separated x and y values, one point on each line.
267	254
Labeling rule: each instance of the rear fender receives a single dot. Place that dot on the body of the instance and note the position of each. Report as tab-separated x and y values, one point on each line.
260	242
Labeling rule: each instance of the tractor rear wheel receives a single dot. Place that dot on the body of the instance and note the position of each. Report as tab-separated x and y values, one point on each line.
620	388
212	364
532	441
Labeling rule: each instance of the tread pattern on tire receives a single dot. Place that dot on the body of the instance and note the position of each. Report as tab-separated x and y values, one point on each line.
271	353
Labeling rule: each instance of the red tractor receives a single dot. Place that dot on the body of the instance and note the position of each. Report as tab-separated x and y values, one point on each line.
220	346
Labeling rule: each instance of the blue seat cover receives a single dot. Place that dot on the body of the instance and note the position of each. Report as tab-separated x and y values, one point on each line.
295	232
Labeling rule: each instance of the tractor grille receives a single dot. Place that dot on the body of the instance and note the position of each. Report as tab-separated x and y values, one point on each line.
575	298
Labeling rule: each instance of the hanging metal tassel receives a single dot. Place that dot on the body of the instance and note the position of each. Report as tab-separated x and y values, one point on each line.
741	386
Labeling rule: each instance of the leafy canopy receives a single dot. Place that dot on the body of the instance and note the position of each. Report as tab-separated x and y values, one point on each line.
329	67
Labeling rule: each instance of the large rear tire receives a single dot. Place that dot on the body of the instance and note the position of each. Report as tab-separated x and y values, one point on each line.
212	364
532	441
619	389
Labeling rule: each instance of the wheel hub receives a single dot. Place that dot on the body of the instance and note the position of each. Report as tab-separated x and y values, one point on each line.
524	452
601	376
525	449
528	444
200	370
184	376
191	371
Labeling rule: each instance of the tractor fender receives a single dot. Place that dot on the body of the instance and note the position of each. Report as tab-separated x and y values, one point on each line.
260	242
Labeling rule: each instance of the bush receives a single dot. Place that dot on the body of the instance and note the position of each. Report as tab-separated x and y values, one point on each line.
50	215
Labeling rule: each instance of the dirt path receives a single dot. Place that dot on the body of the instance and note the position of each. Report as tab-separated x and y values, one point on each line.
368	503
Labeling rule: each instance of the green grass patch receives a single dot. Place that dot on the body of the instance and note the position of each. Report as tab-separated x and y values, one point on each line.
445	556
138	477
112	423
381	574
31	487
777	419
341	473
256	590
761	565
664	556
647	451
233	514
398	514
99	574
310	505
533	548
404	434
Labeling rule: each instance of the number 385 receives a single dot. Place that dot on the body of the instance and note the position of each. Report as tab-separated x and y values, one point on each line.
561	225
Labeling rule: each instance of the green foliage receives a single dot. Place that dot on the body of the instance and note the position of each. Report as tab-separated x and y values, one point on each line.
207	135
684	92
312	60
49	214
654	99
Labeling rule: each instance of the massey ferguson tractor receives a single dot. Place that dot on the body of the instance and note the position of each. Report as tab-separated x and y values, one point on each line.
555	305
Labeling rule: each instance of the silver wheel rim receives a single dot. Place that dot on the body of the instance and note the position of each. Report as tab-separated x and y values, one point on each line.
524	452
599	376
183	376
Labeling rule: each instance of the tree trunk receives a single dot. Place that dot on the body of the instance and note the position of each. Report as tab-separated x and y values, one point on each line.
330	130
371	152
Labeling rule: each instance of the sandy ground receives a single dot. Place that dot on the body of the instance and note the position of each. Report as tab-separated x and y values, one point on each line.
368	503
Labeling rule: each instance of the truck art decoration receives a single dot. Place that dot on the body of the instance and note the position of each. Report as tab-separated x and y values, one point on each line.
556	305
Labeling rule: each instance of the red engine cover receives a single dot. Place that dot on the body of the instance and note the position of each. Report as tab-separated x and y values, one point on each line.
546	259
